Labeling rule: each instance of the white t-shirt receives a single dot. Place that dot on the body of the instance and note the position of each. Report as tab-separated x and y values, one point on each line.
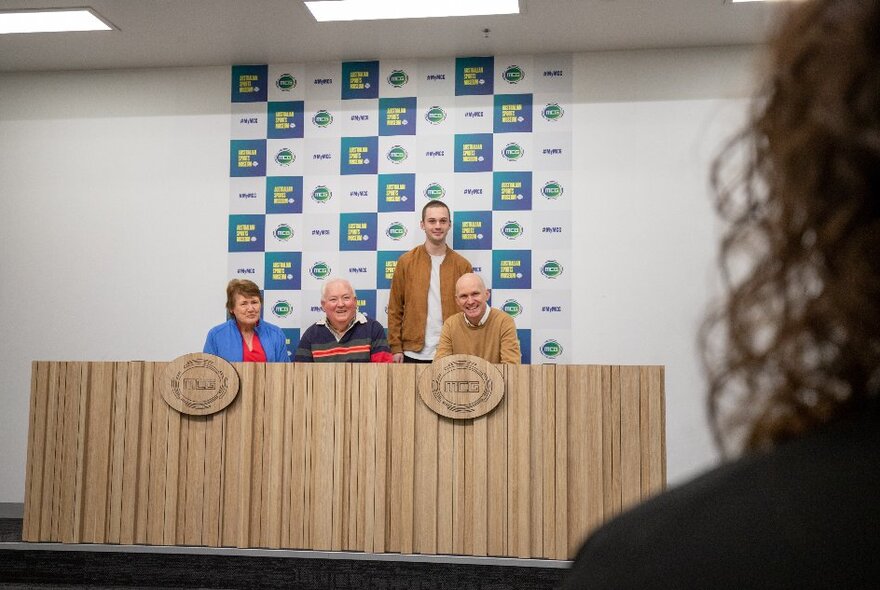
434	322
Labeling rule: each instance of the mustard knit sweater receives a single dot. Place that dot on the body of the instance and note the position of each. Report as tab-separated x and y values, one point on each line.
495	341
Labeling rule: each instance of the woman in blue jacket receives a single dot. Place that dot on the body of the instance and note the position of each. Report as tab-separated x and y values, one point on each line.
244	337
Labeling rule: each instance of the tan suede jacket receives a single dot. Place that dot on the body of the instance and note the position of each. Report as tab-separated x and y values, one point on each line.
408	300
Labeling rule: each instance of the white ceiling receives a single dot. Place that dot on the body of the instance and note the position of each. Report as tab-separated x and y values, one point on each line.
163	33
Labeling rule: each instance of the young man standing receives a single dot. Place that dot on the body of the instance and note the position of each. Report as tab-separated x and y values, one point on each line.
423	289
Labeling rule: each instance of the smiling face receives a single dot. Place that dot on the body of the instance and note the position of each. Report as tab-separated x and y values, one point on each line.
246	310
472	296
436	222
339	303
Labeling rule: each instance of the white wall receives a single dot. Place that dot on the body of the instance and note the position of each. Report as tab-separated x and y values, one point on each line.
113	201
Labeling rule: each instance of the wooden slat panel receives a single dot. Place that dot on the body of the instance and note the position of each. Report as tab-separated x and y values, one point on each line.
594	500
145	449
406	385
567	447
232	456
614	421
299	455
656	449
561	548
275	409
368	389
47	504
519	475
426	466
537	397
380	538
36	451
175	478
259	446
196	454
97	471
480	487
54	444
128	482
578	481
496	501
321	474
445	483
354	462
458	486
546	508
340	447
117	449
158	462
214	437
630	469
607	449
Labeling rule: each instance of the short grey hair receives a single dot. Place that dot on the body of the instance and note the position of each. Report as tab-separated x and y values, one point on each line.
326	285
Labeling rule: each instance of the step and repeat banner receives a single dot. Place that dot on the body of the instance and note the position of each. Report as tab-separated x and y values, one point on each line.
330	165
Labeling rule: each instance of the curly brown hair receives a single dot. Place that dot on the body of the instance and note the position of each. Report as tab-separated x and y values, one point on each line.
796	342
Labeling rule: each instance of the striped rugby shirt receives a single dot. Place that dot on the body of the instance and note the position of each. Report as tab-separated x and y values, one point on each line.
363	342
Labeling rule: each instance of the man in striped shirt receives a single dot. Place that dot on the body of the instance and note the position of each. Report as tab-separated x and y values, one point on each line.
343	335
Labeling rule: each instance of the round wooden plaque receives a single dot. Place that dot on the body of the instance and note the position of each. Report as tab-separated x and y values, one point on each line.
199	384
461	386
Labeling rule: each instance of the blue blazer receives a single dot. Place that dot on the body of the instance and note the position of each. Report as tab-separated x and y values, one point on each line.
225	341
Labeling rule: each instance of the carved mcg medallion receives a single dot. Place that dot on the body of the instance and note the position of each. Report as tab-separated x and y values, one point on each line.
461	386
199	384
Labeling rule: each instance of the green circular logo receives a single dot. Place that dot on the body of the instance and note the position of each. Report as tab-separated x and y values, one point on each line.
435	115
285	157
552	112
512	152
552	190
320	270
435	191
286	82
321	194
513	74
396	231
283	232
551	349
397	154
398	78
282	309
511	230
322	118
551	269
512	307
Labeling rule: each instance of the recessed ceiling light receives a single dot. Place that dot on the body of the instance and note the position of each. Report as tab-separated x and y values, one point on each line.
348	10
51	21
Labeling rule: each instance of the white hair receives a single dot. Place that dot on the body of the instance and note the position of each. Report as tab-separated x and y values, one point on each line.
326	285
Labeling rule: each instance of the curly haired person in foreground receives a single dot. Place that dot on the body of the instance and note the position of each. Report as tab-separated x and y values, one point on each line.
793	353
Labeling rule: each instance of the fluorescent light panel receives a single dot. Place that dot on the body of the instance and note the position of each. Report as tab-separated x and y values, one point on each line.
349	10
51	21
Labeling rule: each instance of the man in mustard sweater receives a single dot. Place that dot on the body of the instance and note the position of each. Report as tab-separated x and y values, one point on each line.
479	330
423	289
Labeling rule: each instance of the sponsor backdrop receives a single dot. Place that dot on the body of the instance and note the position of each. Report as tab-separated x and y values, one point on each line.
330	165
